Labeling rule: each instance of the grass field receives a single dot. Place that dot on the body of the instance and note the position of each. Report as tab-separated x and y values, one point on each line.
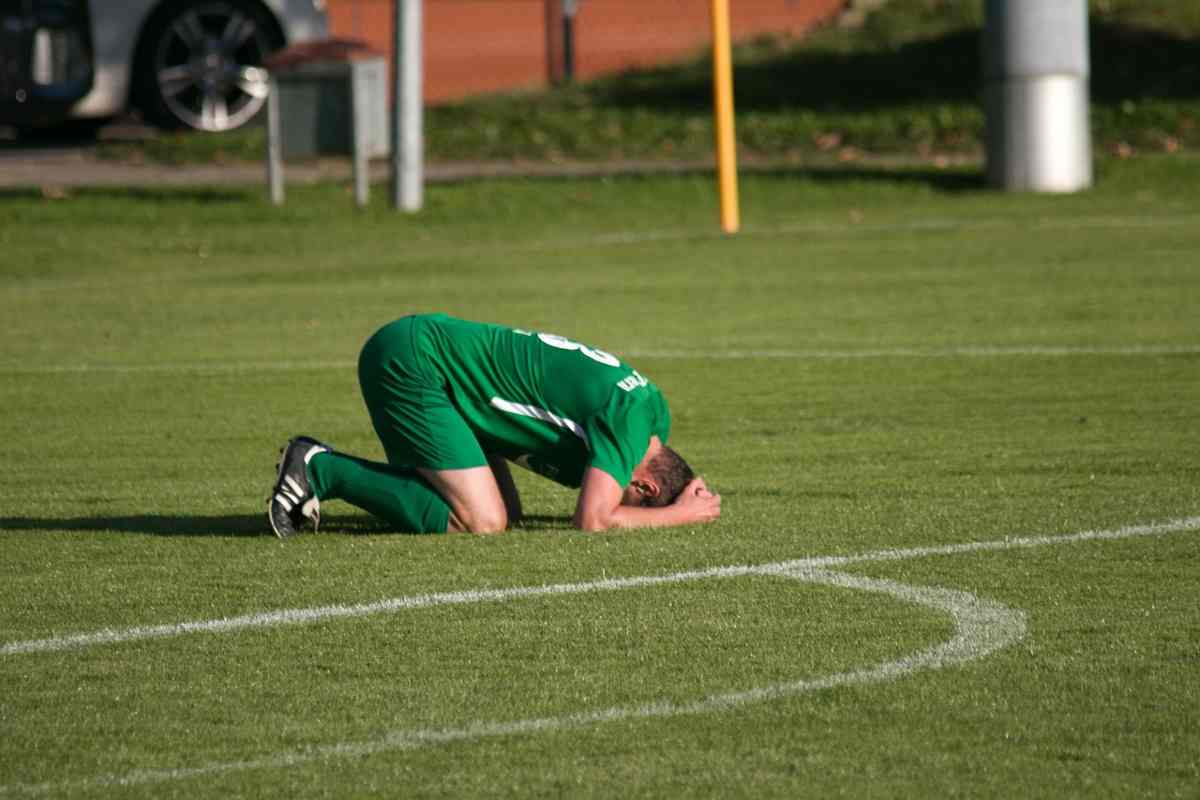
942	385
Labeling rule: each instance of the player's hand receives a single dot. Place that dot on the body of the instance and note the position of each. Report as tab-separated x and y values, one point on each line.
698	503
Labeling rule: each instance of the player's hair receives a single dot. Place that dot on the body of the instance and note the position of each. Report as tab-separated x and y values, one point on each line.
671	473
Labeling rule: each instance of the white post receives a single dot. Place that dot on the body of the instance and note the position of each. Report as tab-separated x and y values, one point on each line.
1036	70
408	144
274	144
359	136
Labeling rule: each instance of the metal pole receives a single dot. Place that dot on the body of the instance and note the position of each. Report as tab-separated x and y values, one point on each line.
1036	70
408	146
569	7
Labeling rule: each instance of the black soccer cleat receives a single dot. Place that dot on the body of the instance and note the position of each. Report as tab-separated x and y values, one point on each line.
292	500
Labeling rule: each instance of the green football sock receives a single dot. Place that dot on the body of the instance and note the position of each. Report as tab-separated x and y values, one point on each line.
396	495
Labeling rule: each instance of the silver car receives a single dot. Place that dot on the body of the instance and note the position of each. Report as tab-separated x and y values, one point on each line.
183	63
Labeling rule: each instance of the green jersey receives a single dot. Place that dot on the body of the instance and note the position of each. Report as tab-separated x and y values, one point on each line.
544	402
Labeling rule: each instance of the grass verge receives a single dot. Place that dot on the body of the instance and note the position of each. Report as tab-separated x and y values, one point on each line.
906	82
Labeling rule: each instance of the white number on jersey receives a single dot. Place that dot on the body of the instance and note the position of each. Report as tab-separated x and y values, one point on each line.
566	344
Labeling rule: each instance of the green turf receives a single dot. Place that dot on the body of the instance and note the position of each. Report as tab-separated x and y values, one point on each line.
880	360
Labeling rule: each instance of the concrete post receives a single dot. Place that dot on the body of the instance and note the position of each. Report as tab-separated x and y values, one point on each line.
274	145
359	134
408	140
1036	70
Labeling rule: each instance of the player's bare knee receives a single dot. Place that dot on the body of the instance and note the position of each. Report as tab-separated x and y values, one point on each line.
487	522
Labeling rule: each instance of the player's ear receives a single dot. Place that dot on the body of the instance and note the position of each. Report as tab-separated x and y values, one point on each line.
648	489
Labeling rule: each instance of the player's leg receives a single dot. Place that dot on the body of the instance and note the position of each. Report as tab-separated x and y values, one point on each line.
399	496
311	472
420	427
473	496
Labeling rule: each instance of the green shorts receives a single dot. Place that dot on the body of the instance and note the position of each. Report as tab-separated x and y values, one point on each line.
409	403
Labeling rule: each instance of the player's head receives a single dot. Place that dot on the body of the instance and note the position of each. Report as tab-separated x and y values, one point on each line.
666	473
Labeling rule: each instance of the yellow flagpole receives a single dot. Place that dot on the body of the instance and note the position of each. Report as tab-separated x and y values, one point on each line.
723	117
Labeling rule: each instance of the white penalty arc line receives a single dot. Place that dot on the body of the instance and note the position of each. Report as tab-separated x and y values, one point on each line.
981	627
294	616
746	354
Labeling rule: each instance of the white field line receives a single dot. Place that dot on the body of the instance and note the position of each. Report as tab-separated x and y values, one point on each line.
295	616
856	229
1016	543
802	228
981	627
625	238
964	351
853	230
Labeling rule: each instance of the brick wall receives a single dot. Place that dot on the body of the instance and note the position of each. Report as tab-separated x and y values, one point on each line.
474	46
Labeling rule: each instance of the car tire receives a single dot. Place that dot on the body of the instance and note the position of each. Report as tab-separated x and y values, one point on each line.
199	64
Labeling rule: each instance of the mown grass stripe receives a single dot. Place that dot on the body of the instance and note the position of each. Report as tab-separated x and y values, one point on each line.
459	249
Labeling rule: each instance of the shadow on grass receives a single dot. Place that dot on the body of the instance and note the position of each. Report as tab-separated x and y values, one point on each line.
903	172
945	180
165	195
22	193
153	524
943	69
1127	62
361	524
543	522
240	525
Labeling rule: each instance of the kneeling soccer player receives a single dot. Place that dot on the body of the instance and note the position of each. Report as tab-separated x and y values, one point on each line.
453	401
